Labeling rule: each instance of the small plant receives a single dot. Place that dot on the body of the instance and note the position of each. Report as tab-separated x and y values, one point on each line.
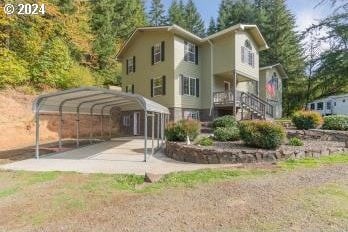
226	134
206	141
295	142
262	134
180	130
225	121
305	120
336	122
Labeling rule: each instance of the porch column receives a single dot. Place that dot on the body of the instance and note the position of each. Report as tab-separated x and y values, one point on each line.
145	136
158	130
235	93
152	132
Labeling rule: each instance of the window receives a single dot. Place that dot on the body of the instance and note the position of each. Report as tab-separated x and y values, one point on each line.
190	52
320	106
158	86
157	53
328	105
189	114
312	106
126	120
190	86
334	103
275	81
247	55
344	100
131	65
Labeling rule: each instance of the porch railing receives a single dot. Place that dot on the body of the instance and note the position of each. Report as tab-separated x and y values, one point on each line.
225	97
256	104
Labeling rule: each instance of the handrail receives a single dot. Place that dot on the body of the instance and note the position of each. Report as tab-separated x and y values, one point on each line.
257	104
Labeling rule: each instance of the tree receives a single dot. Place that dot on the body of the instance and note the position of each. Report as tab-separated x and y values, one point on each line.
156	14
212	27
176	13
193	20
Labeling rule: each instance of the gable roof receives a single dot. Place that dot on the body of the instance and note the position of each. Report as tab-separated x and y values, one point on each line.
177	30
279	68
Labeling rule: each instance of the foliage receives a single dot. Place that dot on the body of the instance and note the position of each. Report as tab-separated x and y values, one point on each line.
176	13
206	141
262	134
180	130
295	141
314	162
226	134
212	27
336	122
225	121
156	15
305	120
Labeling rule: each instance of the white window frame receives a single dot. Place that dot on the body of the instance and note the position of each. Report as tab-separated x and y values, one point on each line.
126	120
247	54
188	53
322	106
189	91
157	53
191	114
130	64
158	88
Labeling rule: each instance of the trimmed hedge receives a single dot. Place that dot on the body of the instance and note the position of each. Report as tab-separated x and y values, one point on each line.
305	120
262	134
179	130
224	134
225	121
336	122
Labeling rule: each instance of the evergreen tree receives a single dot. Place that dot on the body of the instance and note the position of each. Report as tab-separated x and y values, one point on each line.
156	14
193	20
176	13
212	27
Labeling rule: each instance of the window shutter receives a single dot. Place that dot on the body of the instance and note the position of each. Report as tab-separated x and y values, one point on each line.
133	63
185	53
197	87
162	51
181	84
127	89
127	66
163	85
152	55
151	87
133	88
196	54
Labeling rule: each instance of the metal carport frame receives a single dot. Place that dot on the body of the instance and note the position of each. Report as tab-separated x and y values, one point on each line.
98	101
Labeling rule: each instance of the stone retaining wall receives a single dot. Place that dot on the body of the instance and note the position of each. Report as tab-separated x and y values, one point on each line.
317	134
212	155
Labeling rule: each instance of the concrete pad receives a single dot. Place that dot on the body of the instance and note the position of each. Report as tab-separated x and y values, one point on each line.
120	155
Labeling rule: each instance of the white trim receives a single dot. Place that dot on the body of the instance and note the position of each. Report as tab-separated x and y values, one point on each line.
136	123
189	86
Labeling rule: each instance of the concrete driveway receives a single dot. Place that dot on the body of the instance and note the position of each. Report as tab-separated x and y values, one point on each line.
119	155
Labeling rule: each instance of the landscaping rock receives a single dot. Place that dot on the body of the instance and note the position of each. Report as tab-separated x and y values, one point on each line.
152	178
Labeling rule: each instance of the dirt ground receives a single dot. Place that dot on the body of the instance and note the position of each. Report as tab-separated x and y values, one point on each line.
313	199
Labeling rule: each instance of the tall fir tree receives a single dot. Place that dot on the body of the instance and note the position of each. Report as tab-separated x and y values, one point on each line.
156	15
193	20
176	13
212	27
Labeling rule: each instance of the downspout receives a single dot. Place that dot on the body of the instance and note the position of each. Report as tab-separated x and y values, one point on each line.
211	76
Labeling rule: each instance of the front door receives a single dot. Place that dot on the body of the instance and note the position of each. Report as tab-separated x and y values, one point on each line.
136	126
227	86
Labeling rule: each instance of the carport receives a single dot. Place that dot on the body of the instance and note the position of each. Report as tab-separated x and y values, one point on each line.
94	102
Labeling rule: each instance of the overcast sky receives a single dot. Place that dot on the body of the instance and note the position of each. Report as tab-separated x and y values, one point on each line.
304	10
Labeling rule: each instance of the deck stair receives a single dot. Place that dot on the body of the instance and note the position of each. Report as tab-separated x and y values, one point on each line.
255	106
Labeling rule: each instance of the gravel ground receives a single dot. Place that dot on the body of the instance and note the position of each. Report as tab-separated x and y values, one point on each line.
301	200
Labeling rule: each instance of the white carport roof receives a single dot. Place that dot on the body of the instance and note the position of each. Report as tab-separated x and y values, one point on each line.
93	100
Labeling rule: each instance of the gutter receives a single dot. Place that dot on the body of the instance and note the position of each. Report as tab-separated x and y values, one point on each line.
211	76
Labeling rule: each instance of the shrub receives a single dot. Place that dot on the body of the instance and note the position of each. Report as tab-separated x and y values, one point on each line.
336	122
262	134
225	121
305	120
226	134
179	130
295	142
205	141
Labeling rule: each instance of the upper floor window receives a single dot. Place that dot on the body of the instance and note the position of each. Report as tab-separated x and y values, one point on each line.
131	65
247	54
189	86
158	86
190	52
157	53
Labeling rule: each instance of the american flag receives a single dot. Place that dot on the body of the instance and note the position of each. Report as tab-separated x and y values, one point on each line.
271	87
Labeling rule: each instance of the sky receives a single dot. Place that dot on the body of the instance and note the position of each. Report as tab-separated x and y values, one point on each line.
304	10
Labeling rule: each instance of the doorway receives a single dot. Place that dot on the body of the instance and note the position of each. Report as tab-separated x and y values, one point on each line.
136	126
227	86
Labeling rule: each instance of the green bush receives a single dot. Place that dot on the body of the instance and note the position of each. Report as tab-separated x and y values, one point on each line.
225	121
226	134
206	141
305	120
336	122
179	130
295	142
262	134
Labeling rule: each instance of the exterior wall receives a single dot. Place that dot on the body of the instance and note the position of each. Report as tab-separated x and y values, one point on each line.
206	77
224	53
243	68
145	71
187	69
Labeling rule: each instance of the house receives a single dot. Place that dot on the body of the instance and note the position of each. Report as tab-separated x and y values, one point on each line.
200	78
335	104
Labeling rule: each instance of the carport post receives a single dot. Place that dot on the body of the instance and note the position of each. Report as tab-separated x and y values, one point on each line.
145	135
37	139
152	132
158	130
162	128
78	129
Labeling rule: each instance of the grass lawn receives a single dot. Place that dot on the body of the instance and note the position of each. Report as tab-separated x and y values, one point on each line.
48	196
